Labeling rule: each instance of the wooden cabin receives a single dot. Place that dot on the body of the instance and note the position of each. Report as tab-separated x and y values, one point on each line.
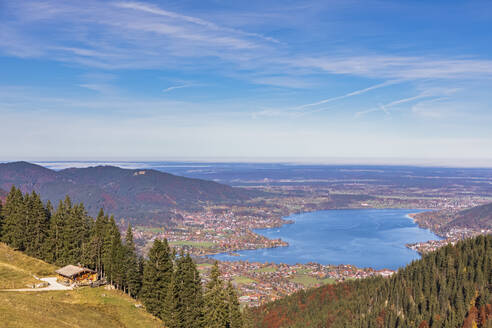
72	274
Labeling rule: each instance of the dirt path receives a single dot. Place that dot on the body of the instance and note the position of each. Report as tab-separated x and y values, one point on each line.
54	285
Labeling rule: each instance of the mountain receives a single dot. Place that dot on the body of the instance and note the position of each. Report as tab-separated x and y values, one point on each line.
451	287
83	307
146	195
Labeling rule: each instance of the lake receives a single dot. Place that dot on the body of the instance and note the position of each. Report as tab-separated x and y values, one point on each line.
366	238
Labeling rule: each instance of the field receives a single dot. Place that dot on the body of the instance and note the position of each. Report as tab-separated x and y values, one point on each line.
243	280
267	269
310	281
17	269
83	307
203	244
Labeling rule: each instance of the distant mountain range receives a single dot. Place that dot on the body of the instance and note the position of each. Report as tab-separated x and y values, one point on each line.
146	195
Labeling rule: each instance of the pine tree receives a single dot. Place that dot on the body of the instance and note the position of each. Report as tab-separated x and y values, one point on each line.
235	316
14	213
216	308
117	262
185	305
37	227
93	248
133	277
110	230
56	243
157	276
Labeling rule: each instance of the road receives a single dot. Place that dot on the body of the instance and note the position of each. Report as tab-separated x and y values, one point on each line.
54	285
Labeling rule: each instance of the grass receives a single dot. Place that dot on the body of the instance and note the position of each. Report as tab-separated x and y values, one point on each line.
243	280
266	269
17	269
203	244
85	307
310	281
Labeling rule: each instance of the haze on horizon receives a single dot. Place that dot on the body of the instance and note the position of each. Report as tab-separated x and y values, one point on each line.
348	81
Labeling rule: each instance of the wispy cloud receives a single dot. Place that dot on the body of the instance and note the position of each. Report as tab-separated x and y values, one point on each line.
350	94
190	19
177	87
398	67
430	95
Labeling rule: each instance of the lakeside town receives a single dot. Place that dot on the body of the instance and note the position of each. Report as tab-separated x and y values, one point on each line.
227	229
259	283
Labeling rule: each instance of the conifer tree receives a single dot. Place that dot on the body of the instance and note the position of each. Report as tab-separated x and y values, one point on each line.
117	262
14	213
185	301
110	230
37	225
133	277
216	308
157	276
235	316
93	249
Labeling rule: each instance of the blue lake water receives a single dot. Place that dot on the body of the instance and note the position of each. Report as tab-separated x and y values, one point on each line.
366	238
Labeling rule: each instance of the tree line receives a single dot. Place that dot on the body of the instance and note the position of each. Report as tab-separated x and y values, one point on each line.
169	285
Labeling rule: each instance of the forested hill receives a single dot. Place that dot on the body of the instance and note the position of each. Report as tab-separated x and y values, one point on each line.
144	194
451	287
478	217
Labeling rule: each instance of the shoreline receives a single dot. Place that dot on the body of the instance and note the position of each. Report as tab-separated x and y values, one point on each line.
238	256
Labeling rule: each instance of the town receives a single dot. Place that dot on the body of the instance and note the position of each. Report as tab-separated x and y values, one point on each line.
259	283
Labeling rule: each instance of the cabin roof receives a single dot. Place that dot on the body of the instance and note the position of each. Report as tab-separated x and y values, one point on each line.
70	271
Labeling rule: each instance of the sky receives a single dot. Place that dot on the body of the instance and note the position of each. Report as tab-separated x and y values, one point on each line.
334	80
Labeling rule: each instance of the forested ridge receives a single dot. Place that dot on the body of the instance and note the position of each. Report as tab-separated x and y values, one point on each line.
447	288
141	196
169	285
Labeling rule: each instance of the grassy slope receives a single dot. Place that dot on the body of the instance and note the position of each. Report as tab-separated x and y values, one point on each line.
84	307
17	269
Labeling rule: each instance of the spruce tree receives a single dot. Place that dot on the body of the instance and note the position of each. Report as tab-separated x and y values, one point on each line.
157	276
93	249
235	316
110	230
14	213
133	277
216	308
185	307
37	227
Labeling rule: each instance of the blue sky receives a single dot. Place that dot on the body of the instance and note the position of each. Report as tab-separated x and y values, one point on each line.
389	81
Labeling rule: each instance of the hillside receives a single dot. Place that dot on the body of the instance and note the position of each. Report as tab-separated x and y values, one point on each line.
476	218
447	288
17	269
85	307
148	195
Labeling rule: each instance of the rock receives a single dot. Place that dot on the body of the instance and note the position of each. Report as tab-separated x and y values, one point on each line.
42	285
138	305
